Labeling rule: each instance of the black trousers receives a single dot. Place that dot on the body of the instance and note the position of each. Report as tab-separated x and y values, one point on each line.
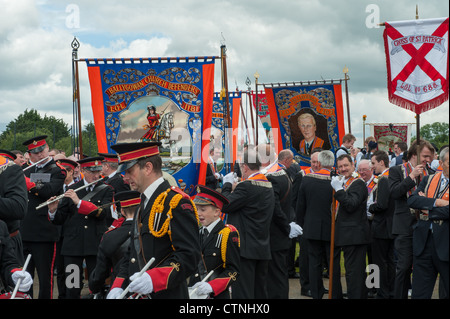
252	281
317	250
278	278
74	273
425	271
303	264
42	261
383	257
355	270
403	269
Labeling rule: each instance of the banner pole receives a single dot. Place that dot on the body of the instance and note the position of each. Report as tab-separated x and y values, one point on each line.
228	139
346	97
76	92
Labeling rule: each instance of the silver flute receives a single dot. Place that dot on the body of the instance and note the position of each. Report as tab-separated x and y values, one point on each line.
28	167
62	195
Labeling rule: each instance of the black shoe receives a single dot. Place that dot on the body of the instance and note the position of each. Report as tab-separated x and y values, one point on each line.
306	293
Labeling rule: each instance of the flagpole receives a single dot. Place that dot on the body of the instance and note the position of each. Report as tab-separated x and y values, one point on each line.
248	82
346	97
76	92
256	75
228	141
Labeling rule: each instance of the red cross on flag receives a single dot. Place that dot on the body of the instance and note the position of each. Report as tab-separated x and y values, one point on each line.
417	63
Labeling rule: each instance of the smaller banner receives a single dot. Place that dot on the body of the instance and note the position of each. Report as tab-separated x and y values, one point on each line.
263	113
386	134
306	117
223	137
417	63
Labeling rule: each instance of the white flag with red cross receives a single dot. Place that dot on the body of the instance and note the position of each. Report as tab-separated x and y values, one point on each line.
417	63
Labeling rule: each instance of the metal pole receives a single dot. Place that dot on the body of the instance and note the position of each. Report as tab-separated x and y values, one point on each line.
228	138
346	98
76	92
256	107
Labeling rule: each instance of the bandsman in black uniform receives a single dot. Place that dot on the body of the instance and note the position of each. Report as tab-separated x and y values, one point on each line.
13	199
10	269
114	243
39	234
220	248
352	227
113	178
165	228
250	210
83	219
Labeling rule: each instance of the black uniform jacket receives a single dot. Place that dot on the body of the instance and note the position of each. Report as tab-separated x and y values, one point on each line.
176	256
250	210
224	273
283	213
8	259
111	250
36	226
13	195
314	206
400	186
440	228
352	225
382	210
82	232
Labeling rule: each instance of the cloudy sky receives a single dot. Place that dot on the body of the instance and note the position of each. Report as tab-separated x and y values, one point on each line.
284	40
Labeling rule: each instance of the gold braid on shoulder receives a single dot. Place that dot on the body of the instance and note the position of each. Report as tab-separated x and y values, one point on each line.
158	208
225	232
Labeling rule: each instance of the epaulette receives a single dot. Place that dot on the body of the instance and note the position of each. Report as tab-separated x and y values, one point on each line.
225	232
179	191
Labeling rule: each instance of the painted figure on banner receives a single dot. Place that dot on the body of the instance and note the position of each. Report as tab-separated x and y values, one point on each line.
152	126
308	127
309	116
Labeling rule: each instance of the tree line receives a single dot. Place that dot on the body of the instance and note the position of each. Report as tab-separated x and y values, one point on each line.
59	134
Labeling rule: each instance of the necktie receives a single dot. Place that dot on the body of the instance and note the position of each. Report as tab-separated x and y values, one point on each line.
204	234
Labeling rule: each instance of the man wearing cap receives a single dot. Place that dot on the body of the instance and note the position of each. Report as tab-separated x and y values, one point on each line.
82	215
13	199
250	210
165	228
39	235
220	247
113	178
115	242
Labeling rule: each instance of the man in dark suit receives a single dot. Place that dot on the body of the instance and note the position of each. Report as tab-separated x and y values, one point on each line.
165	228
212	175
431	233
282	228
220	248
382	208
115	242
84	221
403	180
39	234
113	178
13	199
250	210
314	209
352	226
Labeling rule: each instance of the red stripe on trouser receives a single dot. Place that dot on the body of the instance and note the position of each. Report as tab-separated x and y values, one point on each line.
51	269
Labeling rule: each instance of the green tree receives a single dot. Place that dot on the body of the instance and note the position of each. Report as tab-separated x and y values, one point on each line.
30	124
436	133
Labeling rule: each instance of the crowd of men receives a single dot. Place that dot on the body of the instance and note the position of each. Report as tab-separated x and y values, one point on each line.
118	223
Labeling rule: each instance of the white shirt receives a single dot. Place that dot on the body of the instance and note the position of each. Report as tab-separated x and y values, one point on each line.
151	189
211	226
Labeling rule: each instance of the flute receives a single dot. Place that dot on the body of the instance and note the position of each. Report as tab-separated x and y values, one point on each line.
16	288
28	167
62	195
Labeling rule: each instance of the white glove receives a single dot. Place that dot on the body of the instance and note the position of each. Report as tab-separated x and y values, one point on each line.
27	281
296	230
203	288
229	178
217	175
114	293
336	183
142	285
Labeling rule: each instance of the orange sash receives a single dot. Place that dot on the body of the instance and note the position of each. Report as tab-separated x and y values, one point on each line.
432	190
